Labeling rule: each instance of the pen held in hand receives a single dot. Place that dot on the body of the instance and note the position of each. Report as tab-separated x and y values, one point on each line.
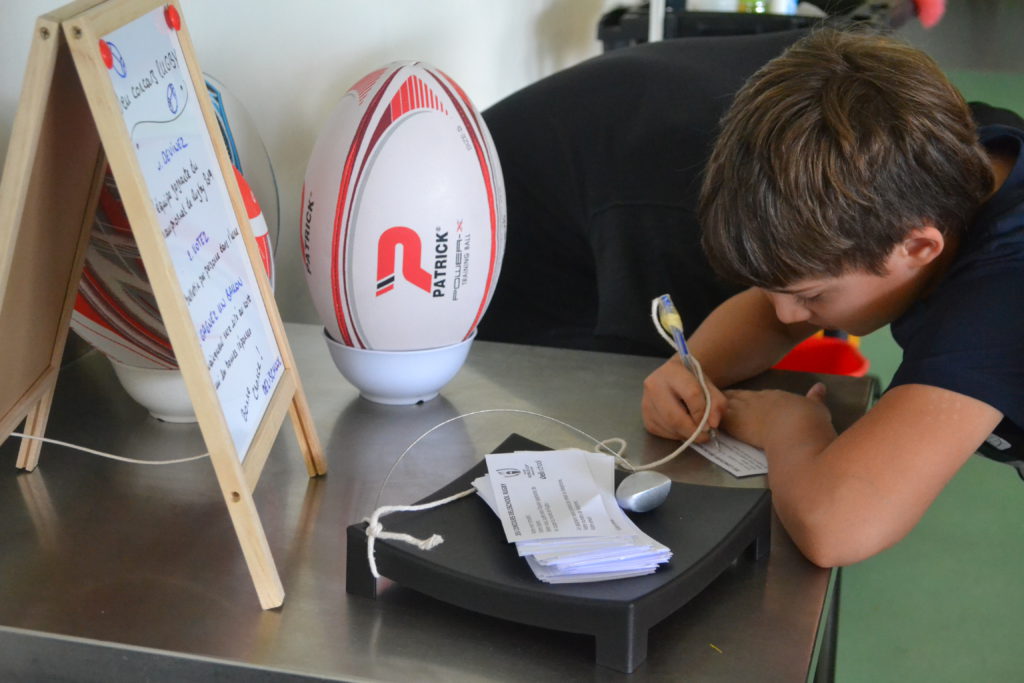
670	321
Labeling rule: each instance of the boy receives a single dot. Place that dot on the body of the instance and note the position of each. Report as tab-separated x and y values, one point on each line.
848	189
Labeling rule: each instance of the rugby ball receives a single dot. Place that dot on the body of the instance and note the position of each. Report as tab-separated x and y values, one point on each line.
402	227
249	157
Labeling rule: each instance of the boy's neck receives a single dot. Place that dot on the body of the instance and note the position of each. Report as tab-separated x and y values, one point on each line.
1002	162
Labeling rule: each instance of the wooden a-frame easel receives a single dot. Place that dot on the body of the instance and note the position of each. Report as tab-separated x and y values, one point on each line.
67	128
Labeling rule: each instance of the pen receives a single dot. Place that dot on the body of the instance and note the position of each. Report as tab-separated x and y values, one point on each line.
672	323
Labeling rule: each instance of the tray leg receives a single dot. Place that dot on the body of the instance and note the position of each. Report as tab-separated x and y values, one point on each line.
358	579
761	545
621	646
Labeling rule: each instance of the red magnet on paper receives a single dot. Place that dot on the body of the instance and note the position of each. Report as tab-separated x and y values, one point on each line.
172	17
108	57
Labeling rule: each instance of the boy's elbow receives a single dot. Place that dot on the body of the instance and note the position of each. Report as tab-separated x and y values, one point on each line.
830	539
828	552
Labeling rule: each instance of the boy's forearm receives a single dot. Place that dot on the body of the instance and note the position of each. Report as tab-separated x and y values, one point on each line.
742	338
836	513
801	491
845	498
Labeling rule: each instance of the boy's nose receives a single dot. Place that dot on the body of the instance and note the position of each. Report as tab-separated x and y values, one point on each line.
788	310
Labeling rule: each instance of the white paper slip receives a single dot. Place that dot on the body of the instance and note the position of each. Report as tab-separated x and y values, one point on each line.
553	575
736	457
594	541
547	494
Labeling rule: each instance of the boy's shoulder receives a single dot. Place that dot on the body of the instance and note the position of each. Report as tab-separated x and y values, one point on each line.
966	335
987	115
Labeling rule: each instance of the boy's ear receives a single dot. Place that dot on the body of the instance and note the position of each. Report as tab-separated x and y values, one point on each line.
923	245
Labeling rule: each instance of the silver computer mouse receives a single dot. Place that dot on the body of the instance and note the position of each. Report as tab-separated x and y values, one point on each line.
643	491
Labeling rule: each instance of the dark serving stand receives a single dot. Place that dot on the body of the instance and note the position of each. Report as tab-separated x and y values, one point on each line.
707	528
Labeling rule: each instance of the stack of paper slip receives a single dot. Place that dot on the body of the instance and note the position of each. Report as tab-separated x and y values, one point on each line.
559	509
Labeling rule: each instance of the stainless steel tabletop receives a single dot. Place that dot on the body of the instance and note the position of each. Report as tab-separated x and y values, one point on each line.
111	568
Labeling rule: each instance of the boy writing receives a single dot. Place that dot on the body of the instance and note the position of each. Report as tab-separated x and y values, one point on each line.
848	189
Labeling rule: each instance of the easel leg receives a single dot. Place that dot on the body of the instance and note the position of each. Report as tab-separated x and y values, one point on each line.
305	432
255	547
41	511
35	425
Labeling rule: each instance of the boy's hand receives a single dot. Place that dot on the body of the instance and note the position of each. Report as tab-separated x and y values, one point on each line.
673	402
751	415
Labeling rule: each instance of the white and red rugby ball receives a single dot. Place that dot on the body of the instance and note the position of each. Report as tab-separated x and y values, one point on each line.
403	213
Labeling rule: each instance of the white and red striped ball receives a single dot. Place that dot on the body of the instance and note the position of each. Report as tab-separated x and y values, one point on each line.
403	213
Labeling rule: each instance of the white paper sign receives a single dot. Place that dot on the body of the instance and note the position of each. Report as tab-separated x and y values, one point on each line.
161	109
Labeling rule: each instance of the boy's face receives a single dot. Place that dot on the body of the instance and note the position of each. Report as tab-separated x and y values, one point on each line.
857	302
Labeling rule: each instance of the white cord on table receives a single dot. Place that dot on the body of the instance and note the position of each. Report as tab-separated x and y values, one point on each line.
111	456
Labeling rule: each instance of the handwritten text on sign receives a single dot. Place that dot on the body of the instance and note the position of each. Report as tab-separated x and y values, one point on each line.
161	109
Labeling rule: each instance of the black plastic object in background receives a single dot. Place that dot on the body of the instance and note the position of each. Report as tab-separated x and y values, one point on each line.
626	26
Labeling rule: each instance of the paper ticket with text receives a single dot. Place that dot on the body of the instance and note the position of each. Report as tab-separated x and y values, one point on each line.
736	457
547	494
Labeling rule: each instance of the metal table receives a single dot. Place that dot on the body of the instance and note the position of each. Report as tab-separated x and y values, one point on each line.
114	571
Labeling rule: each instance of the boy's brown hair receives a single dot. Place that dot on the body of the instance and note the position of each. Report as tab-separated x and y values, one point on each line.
830	154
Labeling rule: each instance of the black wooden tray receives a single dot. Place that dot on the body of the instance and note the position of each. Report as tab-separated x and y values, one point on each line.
707	528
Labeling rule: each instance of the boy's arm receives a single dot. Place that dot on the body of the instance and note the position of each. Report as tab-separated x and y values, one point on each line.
846	498
741	338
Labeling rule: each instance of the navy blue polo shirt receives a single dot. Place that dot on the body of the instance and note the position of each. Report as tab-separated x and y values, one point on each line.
968	334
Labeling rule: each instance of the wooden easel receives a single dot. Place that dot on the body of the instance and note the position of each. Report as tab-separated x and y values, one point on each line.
72	119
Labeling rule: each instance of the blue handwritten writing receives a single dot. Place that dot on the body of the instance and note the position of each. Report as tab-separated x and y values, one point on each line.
120	68
197	246
172	98
272	373
231	289
168	152
206	327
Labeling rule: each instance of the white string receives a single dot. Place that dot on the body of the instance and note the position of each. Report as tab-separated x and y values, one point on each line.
696	369
601	444
375	530
133	461
656	319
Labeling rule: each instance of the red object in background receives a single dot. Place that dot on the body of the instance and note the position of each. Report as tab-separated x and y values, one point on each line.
829	355
929	12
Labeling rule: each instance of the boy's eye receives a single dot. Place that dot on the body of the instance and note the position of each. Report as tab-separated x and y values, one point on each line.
808	298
